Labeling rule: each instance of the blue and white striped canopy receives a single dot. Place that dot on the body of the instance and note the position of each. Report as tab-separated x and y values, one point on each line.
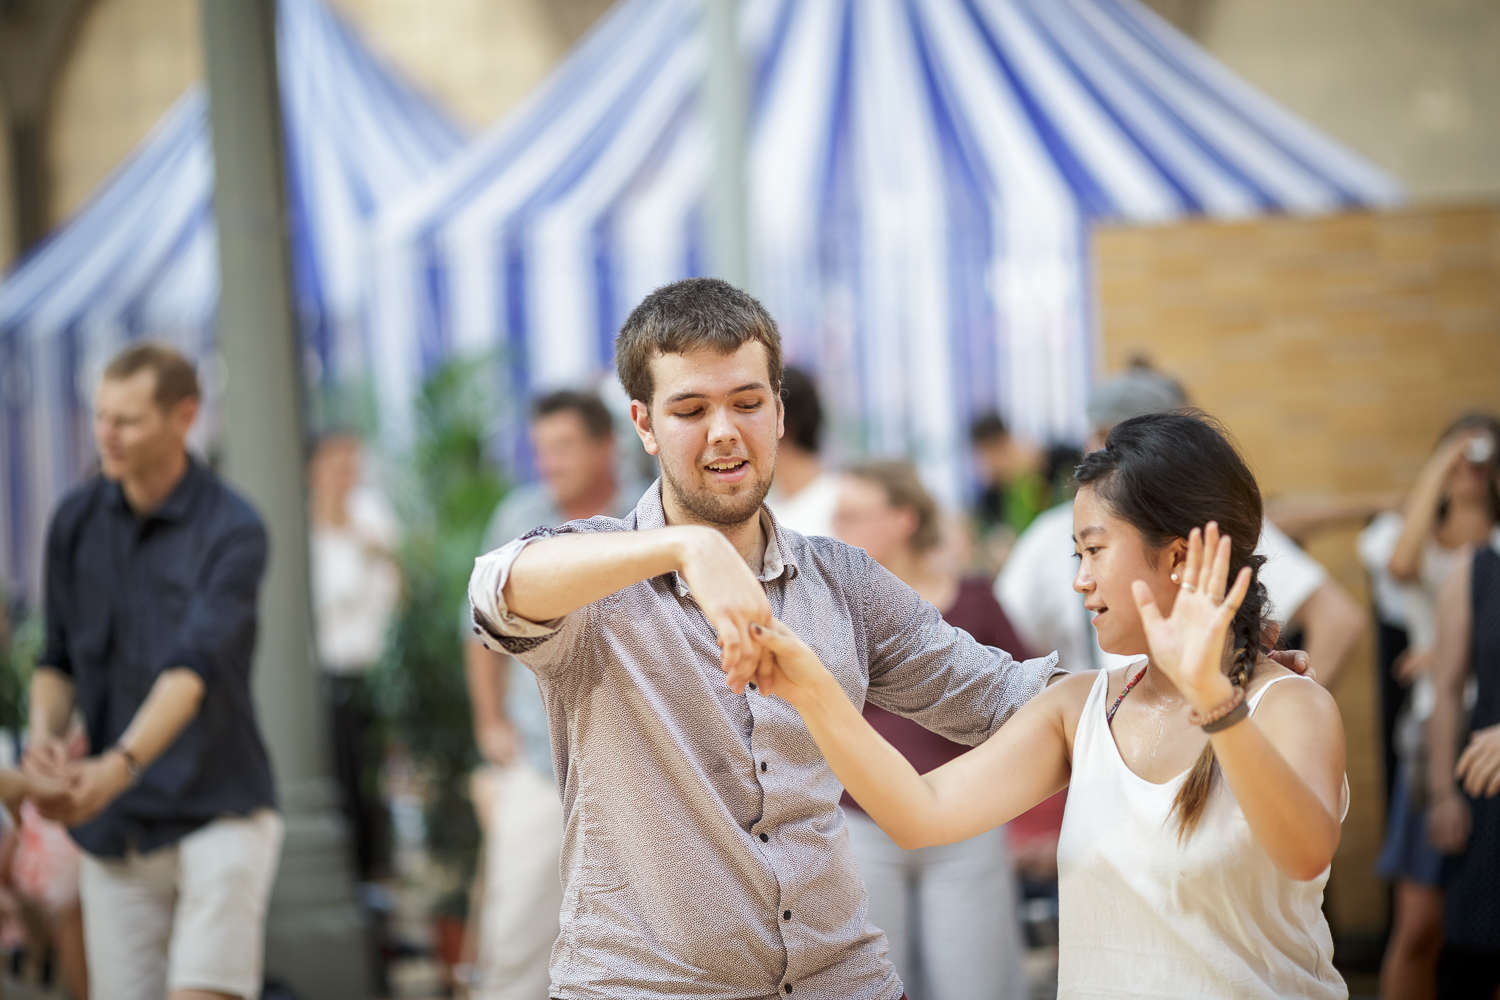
922	175
140	259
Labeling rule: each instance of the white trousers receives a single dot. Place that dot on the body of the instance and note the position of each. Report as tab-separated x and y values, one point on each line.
523	887
189	916
948	912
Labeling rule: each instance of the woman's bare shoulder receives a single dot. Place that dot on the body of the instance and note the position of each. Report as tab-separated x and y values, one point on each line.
1301	698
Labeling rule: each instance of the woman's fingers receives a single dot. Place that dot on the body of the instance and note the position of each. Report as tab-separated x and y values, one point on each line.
1192	567
1205	578
1218	578
1236	597
1145	603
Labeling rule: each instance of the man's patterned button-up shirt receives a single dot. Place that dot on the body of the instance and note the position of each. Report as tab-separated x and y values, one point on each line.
705	853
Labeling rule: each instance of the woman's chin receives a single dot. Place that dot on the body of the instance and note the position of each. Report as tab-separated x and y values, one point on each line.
1117	646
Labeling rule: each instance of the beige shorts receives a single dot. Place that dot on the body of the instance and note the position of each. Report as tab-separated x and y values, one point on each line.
189	916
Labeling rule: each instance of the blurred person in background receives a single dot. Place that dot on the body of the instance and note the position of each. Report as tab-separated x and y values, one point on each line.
1036	586
356	585
948	912
153	570
1012	472
1464	818
516	797
804	494
1375	544
1452	507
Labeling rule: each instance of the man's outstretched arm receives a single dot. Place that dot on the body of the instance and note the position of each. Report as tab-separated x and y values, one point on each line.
553	577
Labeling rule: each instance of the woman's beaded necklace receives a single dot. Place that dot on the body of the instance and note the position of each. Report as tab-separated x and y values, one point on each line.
1109	717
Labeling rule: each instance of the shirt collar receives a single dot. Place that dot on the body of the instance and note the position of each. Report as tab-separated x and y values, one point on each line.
650	513
175	506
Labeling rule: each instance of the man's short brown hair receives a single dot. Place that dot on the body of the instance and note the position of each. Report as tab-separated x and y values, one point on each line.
589	407
687	315
176	378
903	488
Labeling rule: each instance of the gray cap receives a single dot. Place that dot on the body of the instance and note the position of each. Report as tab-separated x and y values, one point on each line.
1136	392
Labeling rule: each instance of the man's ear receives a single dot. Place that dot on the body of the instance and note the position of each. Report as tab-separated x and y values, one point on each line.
780	415
183	414
640	419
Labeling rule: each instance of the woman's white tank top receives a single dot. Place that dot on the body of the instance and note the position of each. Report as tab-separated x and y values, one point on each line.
1141	915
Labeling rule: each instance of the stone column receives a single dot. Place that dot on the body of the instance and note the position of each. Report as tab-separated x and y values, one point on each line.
315	939
724	99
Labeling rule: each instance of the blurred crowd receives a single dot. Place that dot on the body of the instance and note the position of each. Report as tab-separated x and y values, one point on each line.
960	919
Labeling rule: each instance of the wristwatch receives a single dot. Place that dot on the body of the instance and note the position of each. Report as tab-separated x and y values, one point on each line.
131	764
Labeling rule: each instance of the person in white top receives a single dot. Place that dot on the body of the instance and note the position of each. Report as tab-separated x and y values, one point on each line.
1035	587
1204	808
1453	505
356	586
804	495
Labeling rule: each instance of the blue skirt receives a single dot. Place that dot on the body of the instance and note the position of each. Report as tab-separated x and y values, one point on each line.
1407	853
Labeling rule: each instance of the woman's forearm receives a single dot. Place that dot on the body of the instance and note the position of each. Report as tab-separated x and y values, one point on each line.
1291	822
1450	671
874	773
1418	521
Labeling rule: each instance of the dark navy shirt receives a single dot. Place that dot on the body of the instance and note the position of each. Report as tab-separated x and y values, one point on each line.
129	597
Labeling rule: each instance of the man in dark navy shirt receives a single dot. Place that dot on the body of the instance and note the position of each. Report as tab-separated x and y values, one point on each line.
152	575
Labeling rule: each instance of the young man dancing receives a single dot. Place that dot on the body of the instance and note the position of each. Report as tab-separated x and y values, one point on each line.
704	852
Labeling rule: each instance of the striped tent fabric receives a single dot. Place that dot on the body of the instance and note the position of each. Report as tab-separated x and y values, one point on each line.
922	177
140	259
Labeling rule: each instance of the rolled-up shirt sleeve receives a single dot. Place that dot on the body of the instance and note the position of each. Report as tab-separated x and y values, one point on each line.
541	646
927	670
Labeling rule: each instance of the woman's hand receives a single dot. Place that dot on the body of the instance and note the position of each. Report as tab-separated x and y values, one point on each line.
1479	767
1188	645
1448	822
790	670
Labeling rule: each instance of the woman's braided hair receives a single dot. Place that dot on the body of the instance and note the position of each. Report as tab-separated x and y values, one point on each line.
1166	474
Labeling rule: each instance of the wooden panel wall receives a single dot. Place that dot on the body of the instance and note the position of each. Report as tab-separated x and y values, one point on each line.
1336	350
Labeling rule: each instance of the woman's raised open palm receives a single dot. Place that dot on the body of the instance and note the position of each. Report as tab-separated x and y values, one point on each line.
1188	645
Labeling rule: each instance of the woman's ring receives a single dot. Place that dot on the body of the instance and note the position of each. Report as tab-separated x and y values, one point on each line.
1189	586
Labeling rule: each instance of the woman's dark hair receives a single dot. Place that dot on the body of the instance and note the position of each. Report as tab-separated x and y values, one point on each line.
1474	422
1166	474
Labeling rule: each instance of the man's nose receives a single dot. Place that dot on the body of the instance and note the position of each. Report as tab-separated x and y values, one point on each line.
721	426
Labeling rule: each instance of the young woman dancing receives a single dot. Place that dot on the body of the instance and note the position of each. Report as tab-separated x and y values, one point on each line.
1206	796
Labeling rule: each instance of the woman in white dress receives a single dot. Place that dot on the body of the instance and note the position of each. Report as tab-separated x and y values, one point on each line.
1206	795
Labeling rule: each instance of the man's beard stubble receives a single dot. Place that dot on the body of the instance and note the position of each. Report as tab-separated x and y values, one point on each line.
719	511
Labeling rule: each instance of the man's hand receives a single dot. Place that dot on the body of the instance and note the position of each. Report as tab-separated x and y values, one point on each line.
46	758
498	742
1412	664
1479	767
1448	822
94	783
730	597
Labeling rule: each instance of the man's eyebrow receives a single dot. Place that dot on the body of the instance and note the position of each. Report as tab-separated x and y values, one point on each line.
678	397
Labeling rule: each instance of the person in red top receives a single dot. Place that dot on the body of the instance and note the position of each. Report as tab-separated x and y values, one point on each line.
949	912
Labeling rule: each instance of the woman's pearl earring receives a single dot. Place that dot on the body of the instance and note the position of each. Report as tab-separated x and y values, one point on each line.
1174	577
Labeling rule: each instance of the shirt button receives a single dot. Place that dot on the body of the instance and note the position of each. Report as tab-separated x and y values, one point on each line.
763	766
786	914
765	838
752	685
788	987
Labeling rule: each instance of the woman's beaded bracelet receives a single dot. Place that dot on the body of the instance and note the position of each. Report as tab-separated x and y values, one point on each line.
1222	715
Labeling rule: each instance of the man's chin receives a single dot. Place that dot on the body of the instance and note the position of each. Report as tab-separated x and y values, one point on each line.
724	510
